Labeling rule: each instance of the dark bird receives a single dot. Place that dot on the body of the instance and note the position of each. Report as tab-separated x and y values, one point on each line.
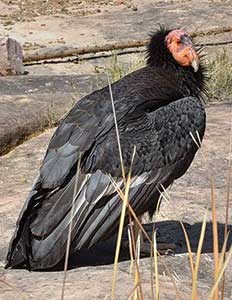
157	109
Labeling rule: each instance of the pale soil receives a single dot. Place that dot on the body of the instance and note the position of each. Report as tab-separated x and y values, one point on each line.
25	10
116	23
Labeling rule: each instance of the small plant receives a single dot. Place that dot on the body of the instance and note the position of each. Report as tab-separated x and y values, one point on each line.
220	76
118	69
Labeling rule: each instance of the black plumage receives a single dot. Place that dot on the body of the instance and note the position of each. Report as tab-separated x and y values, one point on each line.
157	107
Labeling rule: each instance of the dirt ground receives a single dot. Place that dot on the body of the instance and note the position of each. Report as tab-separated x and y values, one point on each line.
113	21
26	10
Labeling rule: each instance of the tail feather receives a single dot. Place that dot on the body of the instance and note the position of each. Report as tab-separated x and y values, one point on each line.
42	229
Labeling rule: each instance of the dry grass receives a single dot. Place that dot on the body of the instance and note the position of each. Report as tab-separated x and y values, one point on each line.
220	76
118	67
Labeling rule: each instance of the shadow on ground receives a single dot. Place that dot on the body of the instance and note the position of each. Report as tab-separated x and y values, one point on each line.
169	232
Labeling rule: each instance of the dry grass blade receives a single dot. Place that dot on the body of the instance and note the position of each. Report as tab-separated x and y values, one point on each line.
138	248
152	273
167	199
125	197
138	293
220	274
19	292
70	229
135	253
117	131
199	145
220	81
156	268
121	225
195	141
133	291
227	204
215	239
188	248
223	252
130	250
178	296
197	264
125	201
120	231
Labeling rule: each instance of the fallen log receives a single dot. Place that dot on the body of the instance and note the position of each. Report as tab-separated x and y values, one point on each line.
65	51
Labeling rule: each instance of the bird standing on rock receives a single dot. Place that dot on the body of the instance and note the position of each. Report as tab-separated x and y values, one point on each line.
157	109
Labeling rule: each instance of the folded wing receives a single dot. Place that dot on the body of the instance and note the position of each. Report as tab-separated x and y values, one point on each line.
164	151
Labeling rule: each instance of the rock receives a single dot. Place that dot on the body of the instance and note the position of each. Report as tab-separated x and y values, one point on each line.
134	8
11	57
32	103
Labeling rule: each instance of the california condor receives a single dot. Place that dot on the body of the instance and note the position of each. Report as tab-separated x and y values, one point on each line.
157	108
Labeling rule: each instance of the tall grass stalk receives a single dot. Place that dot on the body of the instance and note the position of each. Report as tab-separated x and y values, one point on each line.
151	269
215	238
70	229
223	252
227	202
125	201
198	257
133	214
120	231
117	131
157	290
138	294
135	259
131	251
167	198
220	274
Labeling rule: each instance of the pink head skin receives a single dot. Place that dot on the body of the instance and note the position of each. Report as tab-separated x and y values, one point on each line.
182	49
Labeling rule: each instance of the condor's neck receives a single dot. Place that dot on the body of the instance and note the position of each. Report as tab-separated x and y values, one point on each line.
169	86
189	83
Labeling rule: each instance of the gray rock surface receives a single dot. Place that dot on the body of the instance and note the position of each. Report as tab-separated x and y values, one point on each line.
32	103
11	57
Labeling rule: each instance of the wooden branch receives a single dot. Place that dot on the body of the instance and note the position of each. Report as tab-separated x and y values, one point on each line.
212	31
65	51
215	44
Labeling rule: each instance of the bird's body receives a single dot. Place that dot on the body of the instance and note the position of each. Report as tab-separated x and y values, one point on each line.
157	107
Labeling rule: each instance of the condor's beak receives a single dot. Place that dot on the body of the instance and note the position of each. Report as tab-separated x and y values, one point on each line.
192	53
195	65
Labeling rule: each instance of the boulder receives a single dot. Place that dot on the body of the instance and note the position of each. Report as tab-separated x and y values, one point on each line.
11	57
